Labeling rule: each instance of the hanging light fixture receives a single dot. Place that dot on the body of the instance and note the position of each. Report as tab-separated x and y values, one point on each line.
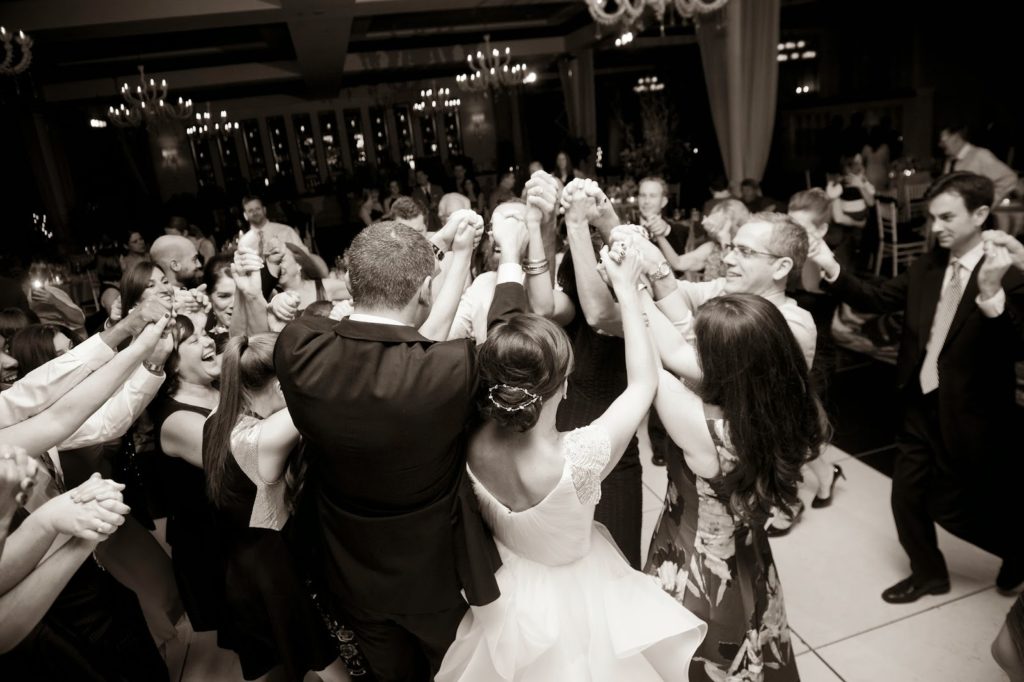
434	98
147	103
24	43
206	124
492	69
628	13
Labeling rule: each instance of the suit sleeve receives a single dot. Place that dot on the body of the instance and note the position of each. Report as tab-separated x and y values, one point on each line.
888	296
1013	312
509	299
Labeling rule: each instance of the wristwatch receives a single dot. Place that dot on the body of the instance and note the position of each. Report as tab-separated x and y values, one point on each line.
663	271
438	253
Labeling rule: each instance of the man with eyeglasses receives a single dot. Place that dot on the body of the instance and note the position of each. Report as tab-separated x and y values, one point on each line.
759	260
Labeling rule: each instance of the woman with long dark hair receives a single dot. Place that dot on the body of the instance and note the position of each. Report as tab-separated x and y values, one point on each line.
178	415
745	431
220	287
253	477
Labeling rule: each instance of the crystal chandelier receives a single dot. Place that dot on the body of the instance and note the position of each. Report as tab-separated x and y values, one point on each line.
433	99
24	61
147	103
628	13
491	68
206	124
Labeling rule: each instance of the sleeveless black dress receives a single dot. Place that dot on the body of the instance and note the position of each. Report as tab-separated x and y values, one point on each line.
270	618
191	530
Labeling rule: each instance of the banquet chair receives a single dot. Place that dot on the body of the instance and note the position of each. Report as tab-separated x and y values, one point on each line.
890	245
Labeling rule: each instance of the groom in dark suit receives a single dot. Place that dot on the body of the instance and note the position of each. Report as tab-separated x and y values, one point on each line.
959	444
383	410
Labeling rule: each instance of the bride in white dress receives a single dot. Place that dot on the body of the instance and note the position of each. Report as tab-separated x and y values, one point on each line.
571	608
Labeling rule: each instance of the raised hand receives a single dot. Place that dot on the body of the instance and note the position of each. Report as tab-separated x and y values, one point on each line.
115	310
191	301
285	306
510	235
147	312
822	256
576	203
466	234
17	476
993	268
150	335
1013	246
624	266
542	194
622	233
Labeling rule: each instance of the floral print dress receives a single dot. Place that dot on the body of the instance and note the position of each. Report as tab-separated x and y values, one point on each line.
721	569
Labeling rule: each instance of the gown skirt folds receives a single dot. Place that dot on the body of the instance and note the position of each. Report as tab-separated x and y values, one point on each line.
571	608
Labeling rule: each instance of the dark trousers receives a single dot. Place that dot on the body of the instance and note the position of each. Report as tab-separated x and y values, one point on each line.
929	487
622	503
404	647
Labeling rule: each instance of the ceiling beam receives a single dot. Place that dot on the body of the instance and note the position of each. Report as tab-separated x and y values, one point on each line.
180	82
320	31
43	15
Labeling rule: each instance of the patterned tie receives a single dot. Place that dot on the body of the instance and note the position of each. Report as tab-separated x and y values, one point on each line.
949	300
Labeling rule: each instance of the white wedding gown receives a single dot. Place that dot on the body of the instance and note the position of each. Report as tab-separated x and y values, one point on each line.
571	608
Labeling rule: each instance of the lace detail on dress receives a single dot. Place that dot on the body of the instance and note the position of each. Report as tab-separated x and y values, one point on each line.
587	449
268	509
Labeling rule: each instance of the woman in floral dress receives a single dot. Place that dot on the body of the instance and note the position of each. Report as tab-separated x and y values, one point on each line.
745	431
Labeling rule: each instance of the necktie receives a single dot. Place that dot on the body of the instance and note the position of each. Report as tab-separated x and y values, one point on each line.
949	300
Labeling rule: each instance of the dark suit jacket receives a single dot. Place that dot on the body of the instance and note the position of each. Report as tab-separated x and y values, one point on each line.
976	365
384	414
430	205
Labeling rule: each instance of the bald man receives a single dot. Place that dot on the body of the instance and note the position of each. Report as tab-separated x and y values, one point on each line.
178	258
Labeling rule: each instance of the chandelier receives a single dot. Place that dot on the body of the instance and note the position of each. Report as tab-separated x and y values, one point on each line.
491	68
628	13
147	103
431	100
648	84
24	61
208	125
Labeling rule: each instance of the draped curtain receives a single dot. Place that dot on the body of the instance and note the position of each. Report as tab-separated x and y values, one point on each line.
738	48
577	76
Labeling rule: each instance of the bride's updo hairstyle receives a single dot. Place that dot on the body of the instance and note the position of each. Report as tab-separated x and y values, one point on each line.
523	363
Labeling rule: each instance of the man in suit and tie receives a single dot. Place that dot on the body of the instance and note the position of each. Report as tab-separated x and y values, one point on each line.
957	463
383	410
429	195
961	155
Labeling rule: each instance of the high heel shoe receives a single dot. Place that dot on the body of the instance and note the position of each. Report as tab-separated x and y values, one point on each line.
774	531
819	502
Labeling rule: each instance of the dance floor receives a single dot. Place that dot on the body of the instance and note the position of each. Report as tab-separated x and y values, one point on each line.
833	566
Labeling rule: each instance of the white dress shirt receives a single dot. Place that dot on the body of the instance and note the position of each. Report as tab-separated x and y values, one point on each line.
120	411
44	385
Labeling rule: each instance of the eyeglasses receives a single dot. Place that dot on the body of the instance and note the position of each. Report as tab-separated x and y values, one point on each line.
747	252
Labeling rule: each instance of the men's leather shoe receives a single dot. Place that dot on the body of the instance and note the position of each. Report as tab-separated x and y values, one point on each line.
907	591
1011	575
658	459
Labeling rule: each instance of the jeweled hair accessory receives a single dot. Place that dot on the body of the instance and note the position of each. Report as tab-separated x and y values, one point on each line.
533	397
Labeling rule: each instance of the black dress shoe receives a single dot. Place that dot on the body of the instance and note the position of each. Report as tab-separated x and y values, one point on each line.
1011	575
907	590
658	459
774	531
819	502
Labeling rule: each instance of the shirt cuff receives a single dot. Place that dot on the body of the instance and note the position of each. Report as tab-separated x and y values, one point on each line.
511	272
992	306
93	353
